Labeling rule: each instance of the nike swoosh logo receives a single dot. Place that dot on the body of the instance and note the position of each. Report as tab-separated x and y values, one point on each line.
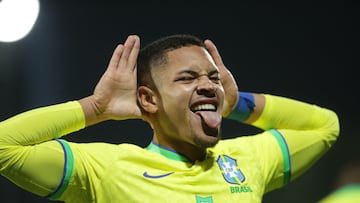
146	175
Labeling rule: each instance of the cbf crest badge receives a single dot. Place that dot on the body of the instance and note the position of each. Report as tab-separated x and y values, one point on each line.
229	169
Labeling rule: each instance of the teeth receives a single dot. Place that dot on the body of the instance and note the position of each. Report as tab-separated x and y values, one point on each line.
203	107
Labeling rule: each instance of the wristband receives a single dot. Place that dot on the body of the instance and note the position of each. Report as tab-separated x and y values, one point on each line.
244	107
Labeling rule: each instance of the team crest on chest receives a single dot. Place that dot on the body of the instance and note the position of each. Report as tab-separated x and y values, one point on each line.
229	169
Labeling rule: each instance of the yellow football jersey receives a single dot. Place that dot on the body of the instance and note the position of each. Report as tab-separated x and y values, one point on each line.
234	170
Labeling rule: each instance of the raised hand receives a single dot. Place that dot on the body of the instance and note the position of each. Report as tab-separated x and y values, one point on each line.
227	79
114	96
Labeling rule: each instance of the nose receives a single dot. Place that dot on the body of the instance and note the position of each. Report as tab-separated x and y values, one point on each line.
206	87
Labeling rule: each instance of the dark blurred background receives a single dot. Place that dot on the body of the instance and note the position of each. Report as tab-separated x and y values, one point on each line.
301	49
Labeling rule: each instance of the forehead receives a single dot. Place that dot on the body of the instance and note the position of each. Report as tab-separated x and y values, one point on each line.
194	58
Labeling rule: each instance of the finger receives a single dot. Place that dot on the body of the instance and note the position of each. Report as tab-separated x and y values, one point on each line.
115	58
134	52
129	54
214	52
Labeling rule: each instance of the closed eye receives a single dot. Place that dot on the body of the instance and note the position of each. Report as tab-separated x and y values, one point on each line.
215	79
187	78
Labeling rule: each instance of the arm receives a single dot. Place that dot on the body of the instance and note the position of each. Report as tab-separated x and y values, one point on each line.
29	155
308	130
269	111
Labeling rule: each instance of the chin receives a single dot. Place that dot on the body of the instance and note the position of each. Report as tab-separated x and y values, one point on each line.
207	141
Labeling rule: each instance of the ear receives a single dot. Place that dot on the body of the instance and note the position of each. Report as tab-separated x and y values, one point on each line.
147	99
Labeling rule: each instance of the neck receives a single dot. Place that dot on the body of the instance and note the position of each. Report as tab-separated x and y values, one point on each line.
189	152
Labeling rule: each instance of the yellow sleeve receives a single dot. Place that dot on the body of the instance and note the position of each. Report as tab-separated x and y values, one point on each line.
285	113
304	131
345	194
29	156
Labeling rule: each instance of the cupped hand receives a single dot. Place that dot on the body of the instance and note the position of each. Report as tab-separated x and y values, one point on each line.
227	80
114	96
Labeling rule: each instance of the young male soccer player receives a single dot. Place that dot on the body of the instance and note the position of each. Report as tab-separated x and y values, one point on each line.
180	86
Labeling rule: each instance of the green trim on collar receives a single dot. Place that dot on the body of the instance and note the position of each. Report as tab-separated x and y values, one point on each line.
166	152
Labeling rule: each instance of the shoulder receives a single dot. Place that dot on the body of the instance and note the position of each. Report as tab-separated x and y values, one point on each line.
246	140
102	147
98	150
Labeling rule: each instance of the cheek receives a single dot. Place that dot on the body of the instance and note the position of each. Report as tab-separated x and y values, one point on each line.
175	99
179	94
176	105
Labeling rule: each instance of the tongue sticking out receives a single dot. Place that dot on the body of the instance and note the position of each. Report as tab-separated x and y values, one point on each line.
212	119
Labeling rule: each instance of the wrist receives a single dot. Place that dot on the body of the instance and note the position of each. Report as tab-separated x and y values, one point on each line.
244	107
91	111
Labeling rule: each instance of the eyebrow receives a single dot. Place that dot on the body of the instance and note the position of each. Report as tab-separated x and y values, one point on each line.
215	71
